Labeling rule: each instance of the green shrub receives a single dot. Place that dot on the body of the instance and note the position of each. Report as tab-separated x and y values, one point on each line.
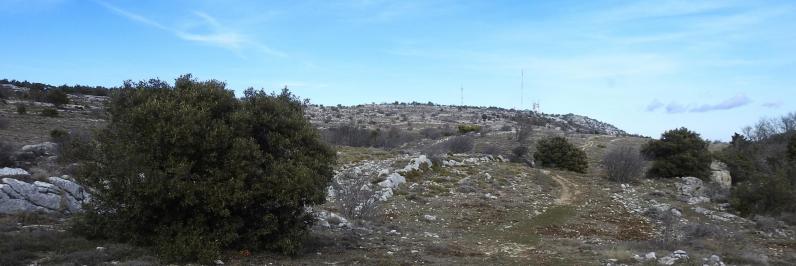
190	170
57	97
6	155
519	153
678	153
763	171
22	109
58	135
73	146
49	112
467	128
557	152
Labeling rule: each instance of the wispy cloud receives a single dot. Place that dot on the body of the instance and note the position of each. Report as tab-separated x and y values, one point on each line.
773	105
676	107
731	103
215	33
654	105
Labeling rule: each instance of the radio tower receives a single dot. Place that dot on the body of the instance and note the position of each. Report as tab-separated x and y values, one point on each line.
522	88
461	91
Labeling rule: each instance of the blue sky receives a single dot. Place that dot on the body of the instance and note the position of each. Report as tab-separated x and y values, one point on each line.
645	66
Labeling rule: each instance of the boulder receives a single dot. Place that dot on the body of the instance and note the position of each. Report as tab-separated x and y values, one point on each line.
393	181
17	196
667	260
41	149
692	190
13	172
720	174
417	163
69	186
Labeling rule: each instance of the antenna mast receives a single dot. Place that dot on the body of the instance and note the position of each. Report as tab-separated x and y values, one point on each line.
522	88
461	91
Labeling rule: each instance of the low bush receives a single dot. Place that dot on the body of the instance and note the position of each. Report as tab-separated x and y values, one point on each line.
49	112
352	201
623	164
459	144
354	136
467	128
57	97
22	108
58	135
557	152
6	155
519	153
437	133
73	146
488	148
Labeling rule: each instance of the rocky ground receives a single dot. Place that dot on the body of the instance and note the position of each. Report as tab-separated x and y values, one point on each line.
402	206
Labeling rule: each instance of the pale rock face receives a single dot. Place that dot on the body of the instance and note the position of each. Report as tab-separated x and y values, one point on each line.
692	190
416	163
61	196
9	172
720	174
393	180
41	149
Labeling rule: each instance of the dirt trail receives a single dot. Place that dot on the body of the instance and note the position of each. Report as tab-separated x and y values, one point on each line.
569	190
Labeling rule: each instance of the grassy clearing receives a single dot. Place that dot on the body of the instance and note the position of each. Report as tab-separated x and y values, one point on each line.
31	237
526	231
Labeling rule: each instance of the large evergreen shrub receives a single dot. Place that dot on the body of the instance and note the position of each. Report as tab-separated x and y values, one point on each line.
190	170
557	152
679	152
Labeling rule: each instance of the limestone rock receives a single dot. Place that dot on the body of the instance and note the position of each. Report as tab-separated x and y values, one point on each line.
41	149
12	172
21	197
721	174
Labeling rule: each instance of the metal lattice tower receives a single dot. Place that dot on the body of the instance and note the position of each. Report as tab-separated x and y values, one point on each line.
461	91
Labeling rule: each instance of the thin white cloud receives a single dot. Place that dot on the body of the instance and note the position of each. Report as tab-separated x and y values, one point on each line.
731	103
674	108
736	101
654	105
773	105
216	34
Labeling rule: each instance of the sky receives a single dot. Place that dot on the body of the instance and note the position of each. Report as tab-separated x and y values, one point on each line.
644	66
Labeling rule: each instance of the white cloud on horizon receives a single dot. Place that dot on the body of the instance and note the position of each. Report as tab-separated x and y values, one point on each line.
674	107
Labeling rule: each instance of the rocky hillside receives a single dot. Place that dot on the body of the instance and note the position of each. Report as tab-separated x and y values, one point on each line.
422	115
404	205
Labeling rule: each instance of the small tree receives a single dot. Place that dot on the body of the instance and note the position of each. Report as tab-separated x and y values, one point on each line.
679	152
623	164
557	152
191	170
